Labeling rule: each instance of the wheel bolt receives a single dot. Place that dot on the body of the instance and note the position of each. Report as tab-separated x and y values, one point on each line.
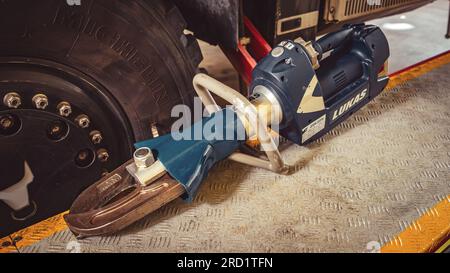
82	155
96	137
102	155
57	130
12	100
64	109
40	101
84	158
83	121
6	122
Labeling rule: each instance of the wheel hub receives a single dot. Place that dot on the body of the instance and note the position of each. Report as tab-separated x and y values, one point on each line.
65	126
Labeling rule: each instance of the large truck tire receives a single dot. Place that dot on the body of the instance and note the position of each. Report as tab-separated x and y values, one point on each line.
78	86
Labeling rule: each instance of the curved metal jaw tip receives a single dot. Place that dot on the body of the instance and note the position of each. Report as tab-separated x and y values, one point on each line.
118	200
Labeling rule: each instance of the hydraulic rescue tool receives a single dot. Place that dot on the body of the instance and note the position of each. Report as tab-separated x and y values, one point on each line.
300	91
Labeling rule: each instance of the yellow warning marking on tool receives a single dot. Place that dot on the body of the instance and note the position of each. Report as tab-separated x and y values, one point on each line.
309	103
426	234
47	228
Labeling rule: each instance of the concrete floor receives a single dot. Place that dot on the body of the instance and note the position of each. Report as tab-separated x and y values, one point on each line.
423	38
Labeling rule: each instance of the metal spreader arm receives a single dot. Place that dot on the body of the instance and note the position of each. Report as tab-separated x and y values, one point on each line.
249	115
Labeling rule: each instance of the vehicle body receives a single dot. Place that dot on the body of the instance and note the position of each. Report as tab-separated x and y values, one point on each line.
221	22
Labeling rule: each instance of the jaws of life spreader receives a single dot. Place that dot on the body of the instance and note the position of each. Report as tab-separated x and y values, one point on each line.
295	88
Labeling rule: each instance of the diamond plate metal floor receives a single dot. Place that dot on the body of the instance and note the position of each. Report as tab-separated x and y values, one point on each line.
355	188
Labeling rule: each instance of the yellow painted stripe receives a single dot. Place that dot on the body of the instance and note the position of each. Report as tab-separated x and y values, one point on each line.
418	70
36	233
47	228
443	247
432	229
426	234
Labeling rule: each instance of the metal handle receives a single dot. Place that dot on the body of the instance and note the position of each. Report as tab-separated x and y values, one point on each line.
247	112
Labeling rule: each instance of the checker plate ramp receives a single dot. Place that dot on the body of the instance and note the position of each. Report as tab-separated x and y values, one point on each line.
355	189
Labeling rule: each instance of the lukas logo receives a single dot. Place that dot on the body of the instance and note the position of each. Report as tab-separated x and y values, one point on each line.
349	104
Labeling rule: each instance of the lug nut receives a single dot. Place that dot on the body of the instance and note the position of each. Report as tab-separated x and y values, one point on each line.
40	101
12	100
96	137
6	122
143	157
82	155
103	155
57	130
10	124
84	158
83	121
64	109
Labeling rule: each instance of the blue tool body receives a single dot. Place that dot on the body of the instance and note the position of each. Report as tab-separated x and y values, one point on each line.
289	76
190	154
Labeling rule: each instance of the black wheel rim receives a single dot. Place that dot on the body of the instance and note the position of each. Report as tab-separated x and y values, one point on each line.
66	153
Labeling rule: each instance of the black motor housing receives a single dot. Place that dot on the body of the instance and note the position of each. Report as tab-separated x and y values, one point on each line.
337	72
